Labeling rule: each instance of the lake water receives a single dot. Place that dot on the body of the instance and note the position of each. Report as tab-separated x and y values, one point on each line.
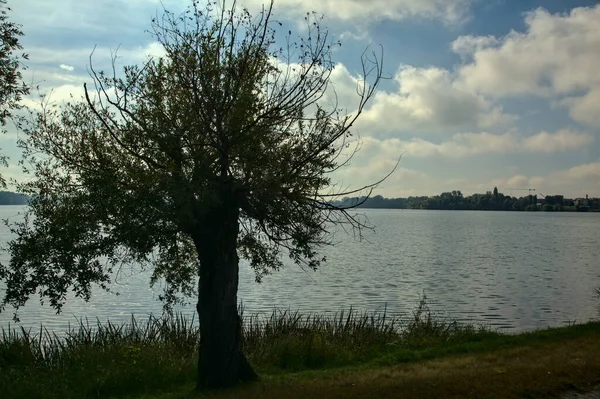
516	271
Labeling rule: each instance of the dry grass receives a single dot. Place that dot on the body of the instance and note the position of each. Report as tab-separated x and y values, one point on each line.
541	370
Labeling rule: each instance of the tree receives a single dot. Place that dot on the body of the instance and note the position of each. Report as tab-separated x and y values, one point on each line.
220	149
12	89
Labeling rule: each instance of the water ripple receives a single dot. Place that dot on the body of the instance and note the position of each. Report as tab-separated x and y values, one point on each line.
514	271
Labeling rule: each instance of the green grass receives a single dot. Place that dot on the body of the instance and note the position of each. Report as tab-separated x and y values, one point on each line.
157	358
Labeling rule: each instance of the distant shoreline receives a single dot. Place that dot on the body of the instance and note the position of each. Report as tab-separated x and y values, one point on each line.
10	198
490	201
480	210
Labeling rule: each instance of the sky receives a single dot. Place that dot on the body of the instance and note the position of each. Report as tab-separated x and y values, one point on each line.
481	93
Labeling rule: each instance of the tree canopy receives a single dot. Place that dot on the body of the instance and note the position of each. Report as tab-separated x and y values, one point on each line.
12	88
222	148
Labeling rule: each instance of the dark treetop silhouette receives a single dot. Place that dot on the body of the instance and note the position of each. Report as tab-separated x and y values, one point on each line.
221	148
12	88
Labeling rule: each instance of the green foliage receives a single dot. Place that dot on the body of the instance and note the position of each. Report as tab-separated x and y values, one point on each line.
12	88
226	122
548	208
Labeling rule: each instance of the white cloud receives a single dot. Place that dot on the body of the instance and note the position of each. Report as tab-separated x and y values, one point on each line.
515	186
67	67
590	171
102	55
91	16
562	140
403	182
54	95
60	84
65	92
467	45
449	11
469	144
518	181
557	55
586	108
342	91
576	181
431	99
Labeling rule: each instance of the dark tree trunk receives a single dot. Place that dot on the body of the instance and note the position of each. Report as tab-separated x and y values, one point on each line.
221	362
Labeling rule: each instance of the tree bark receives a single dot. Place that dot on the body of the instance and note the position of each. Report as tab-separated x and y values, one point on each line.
221	362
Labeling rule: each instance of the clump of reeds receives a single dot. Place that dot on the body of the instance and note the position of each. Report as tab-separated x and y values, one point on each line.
293	340
427	329
47	349
287	339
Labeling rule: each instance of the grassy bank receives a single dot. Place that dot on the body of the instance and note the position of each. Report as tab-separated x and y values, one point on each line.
349	355
541	365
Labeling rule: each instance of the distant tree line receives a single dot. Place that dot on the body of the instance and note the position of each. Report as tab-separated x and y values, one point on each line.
455	200
9	198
